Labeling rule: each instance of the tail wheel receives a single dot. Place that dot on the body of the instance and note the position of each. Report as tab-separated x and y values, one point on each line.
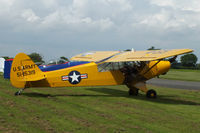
17	93
133	91
151	94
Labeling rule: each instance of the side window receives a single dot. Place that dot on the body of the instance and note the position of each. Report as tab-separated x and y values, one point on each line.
117	66
104	67
110	66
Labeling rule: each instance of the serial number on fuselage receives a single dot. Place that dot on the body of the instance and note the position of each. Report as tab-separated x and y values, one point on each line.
25	73
25	70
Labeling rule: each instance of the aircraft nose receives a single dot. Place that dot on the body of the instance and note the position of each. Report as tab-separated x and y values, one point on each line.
155	68
163	67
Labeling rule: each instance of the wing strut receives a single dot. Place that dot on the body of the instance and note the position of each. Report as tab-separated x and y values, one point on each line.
151	67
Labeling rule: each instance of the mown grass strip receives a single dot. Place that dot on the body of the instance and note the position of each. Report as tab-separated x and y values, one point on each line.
98	109
183	74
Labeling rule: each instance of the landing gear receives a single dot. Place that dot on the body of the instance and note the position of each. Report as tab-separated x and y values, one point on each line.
151	94
133	91
134	88
19	92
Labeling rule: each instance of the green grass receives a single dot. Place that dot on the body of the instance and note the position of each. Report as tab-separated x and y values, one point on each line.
97	109
182	74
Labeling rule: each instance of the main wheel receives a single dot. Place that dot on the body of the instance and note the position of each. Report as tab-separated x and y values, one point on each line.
151	94
133	91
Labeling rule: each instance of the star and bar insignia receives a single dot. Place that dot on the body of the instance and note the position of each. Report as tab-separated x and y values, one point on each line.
74	77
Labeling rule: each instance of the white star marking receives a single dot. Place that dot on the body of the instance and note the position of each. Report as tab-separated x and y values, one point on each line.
74	77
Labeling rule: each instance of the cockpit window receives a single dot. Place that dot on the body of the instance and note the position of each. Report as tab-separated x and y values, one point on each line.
113	66
110	66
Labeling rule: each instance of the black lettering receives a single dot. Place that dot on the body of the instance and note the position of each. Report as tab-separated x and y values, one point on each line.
31	72
25	67
22	69
25	73
29	66
19	68
14	69
19	74
32	66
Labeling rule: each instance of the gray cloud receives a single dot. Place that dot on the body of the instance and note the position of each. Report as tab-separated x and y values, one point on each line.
64	28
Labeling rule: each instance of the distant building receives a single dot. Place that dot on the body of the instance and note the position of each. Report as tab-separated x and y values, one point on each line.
7	68
2	60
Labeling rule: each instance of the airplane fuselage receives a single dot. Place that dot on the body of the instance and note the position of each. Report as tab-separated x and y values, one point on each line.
89	75
81	75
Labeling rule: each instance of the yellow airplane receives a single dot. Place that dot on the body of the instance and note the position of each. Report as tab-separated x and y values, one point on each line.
130	68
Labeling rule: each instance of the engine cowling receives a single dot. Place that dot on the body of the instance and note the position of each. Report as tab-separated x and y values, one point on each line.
155	68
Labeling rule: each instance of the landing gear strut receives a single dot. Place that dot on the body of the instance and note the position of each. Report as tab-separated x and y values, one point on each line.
133	92
151	94
19	92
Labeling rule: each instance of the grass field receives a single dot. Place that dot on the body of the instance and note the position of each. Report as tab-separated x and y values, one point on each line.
182	74
97	109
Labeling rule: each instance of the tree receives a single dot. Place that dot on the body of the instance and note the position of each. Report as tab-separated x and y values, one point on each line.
37	58
64	58
6	57
189	60
198	66
153	48
127	50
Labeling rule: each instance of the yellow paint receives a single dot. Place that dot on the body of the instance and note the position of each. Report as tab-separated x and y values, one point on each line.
54	78
122	56
24	73
151	71
24	69
95	78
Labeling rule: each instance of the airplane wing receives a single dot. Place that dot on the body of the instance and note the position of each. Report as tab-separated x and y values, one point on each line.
126	56
94	56
147	55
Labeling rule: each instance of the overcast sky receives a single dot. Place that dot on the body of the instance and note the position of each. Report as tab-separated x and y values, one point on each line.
57	28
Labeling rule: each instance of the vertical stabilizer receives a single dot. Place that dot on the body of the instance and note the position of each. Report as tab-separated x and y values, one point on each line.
24	70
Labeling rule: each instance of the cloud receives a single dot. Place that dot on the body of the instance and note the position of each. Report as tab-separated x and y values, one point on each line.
184	5
173	15
98	25
29	15
163	3
99	14
5	6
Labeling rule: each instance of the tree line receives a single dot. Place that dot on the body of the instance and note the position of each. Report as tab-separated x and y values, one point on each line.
187	61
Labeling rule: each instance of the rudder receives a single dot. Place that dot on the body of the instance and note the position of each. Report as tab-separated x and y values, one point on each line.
24	70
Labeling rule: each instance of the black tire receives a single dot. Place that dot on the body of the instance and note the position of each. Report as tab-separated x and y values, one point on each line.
133	91
17	93
151	94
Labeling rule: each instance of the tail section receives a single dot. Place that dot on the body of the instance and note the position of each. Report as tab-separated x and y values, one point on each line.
24	70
